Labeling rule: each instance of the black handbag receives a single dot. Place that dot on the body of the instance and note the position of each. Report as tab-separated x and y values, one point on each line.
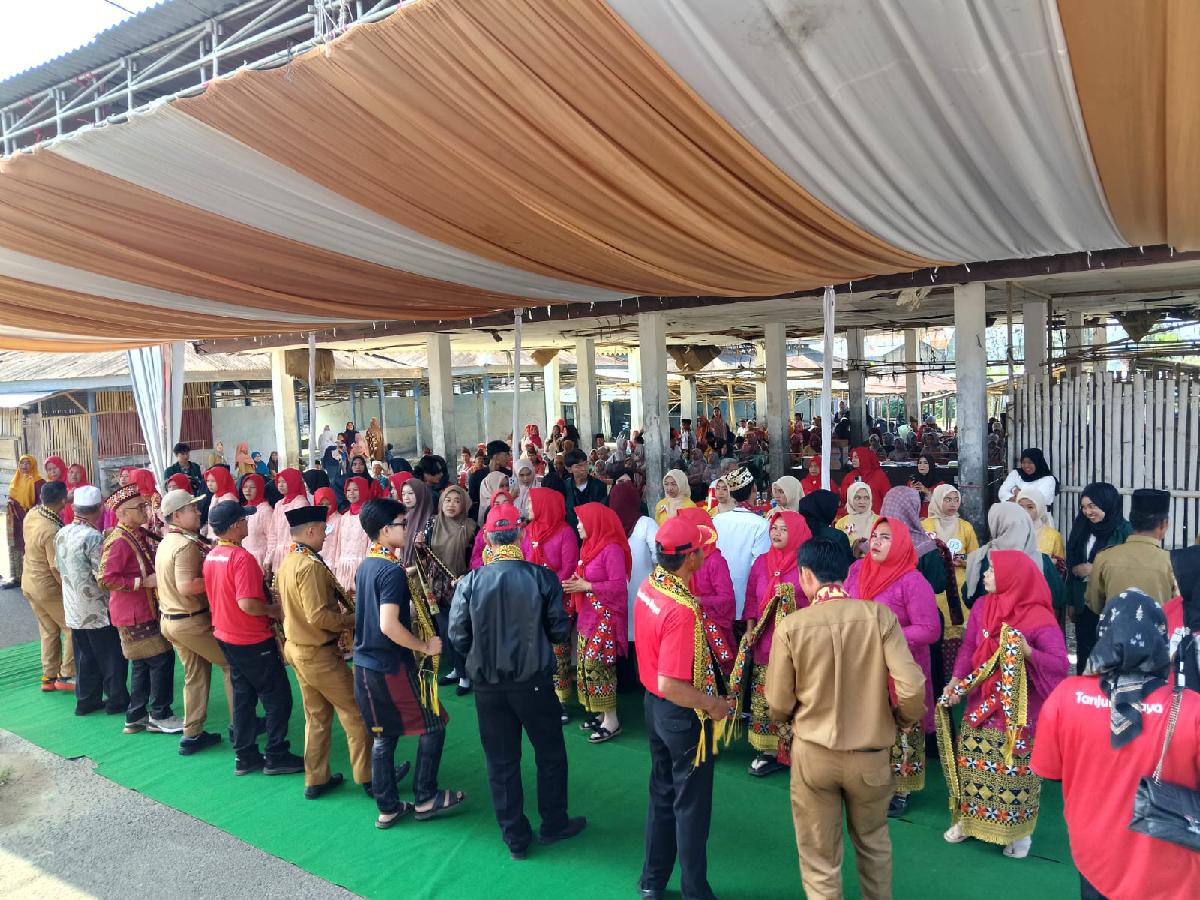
1169	812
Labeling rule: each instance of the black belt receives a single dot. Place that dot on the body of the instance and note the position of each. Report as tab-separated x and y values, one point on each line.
174	617
870	749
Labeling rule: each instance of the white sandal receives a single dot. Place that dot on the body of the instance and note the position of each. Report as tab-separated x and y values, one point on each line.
1018	849
954	834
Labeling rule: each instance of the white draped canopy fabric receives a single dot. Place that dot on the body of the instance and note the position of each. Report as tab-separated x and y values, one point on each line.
157	375
465	157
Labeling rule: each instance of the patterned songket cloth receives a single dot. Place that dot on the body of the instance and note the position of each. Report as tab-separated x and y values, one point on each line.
908	760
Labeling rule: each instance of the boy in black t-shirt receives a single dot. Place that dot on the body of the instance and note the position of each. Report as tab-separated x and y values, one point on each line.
387	678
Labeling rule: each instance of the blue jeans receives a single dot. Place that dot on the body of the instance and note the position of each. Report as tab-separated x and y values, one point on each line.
425	773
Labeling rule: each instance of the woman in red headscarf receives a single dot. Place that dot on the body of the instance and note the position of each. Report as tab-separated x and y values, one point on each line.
396	482
348	537
148	487
549	541
259	525
220	484
772	592
713	587
54	469
600	584
866	468
1018	597
888	575
290	484
533	436
76	478
179	482
327	498
812	481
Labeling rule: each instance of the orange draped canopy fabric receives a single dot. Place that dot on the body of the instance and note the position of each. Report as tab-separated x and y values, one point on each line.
466	157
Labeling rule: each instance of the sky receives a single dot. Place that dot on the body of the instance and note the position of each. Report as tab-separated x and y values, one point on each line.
36	31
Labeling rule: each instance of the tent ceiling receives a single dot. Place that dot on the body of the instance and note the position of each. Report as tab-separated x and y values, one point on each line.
464	157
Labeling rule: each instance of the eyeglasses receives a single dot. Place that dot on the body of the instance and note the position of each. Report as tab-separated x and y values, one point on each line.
402	523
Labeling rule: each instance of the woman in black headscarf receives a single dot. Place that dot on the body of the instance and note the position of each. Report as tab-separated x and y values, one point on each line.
1099	524
1183	615
399	464
315	479
1032	472
819	509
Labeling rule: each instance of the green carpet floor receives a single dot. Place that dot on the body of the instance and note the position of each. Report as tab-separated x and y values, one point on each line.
751	852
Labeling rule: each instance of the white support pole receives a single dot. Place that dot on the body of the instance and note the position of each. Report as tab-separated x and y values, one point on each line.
1075	341
636	414
687	398
761	358
417	416
777	397
486	388
970	374
441	396
828	309
312	399
652	338
518	315
856	380
606	419
912	378
283	393
552	382
1033	311
587	400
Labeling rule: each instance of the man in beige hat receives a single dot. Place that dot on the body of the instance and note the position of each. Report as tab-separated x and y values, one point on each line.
186	620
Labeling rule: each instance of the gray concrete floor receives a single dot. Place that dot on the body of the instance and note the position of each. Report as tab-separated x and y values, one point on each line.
66	832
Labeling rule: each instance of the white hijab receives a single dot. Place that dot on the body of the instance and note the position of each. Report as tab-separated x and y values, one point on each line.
862	522
792	491
946	526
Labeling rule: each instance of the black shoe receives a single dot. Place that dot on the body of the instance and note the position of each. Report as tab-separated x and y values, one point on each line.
565	716
246	766
590	722
313	791
9	585
651	894
284	764
88	709
574	826
898	805
190	745
461	691
518	854
447	680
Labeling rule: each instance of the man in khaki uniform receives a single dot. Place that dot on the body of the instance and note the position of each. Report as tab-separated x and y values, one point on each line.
42	586
1140	562
312	622
186	620
830	665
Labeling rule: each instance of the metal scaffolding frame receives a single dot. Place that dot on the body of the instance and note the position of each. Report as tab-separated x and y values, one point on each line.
257	34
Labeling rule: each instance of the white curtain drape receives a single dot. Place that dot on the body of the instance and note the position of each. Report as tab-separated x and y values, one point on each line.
157	376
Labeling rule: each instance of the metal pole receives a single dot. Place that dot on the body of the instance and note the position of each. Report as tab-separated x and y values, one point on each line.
312	399
517	316
828	305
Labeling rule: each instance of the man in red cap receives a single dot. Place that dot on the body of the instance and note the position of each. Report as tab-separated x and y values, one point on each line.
685	711
505	619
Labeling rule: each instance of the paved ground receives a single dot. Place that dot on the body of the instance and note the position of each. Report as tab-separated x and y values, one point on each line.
66	832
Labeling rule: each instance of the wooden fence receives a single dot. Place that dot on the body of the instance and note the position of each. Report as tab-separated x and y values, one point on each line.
1131	431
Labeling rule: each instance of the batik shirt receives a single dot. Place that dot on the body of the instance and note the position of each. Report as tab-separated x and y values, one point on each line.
77	548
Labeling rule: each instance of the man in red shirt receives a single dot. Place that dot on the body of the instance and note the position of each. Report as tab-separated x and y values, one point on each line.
1100	733
684	694
241	616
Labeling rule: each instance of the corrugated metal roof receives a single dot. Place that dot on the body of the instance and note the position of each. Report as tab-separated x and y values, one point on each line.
134	34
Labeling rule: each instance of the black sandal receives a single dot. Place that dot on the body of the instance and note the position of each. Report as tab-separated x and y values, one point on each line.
602	734
764	764
444	802
591	723
384	824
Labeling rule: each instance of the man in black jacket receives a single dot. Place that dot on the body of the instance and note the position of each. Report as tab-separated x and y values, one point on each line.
581	487
504	620
499	459
183	465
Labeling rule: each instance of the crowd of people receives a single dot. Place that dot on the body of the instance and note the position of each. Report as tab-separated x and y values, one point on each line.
537	580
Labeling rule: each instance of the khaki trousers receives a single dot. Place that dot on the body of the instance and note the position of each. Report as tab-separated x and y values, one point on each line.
823	781
57	661
327	686
198	652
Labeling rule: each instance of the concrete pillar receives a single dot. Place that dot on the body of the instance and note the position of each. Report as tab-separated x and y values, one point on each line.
417	416
687	398
1075	341
1033	312
912	380
587	398
970	373
354	406
636	414
606	419
760	387
856	379
441	397
552	383
652	340
283	391
487	410
777	397
1096	336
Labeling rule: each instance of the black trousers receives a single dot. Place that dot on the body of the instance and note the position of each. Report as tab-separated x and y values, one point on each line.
101	670
257	673
680	810
151	685
453	658
1086	623
1087	892
504	710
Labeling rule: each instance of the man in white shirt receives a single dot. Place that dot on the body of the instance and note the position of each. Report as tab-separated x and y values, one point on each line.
742	535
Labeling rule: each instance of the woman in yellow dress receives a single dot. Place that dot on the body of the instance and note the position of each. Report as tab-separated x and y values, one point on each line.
959	537
1049	538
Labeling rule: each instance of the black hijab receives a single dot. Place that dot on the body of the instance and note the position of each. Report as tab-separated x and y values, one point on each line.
1186	563
400	464
1131	658
1042	470
315	479
929	479
1105	496
819	509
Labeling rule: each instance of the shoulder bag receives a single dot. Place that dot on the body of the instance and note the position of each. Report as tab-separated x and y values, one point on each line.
1169	812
